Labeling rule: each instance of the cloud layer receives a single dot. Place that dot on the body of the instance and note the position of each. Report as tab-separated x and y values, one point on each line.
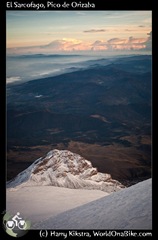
70	45
121	44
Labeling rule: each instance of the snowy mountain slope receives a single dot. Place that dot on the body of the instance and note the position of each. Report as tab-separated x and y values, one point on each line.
130	208
39	203
63	168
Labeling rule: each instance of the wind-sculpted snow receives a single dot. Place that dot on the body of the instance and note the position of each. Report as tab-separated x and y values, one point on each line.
130	208
63	168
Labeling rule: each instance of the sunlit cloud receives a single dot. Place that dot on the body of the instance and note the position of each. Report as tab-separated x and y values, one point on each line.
130	43
63	45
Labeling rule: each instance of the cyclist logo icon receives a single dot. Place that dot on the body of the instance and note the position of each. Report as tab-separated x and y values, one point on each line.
15	225
16	221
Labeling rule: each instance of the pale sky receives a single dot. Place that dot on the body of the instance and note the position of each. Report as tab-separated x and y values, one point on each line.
58	31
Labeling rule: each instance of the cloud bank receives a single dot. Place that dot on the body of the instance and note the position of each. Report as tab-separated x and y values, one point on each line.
71	45
121	44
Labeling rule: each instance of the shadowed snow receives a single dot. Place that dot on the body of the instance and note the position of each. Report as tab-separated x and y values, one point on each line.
130	208
38	203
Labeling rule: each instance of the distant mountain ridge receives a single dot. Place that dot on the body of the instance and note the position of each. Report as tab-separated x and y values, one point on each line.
63	168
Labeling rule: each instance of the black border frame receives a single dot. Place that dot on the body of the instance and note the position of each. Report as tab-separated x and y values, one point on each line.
99	5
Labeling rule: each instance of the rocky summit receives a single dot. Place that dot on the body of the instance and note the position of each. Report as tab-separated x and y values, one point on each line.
63	168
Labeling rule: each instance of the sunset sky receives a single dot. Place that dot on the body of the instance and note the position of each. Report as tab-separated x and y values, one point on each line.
75	31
